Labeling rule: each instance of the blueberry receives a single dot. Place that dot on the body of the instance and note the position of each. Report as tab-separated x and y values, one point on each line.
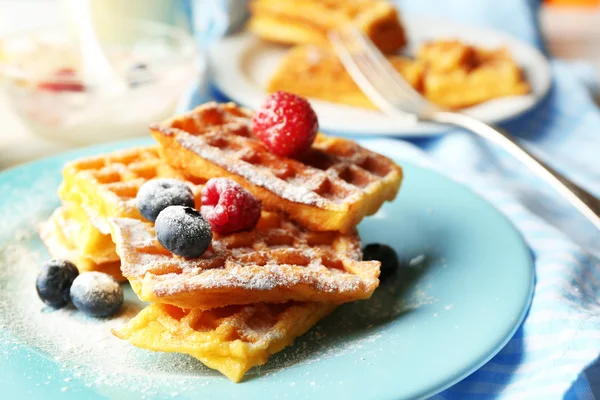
183	231
54	282
385	254
158	194
96	294
139	74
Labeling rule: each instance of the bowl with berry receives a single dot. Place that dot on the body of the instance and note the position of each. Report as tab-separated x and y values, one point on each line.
60	95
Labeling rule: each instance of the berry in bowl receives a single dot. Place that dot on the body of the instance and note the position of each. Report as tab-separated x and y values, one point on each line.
43	72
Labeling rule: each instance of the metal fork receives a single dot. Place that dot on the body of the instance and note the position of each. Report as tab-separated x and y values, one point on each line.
388	90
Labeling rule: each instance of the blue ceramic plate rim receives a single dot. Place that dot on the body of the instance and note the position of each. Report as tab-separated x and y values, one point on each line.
37	358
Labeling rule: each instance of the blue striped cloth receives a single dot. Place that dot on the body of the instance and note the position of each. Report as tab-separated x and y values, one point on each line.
561	334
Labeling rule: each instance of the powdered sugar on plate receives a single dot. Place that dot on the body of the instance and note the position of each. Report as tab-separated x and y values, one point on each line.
85	346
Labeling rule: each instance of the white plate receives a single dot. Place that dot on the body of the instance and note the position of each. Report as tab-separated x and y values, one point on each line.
242	64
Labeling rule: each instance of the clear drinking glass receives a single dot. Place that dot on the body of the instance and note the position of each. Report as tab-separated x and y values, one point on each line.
39	71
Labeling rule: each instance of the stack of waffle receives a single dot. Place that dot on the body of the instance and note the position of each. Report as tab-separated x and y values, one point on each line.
253	292
93	190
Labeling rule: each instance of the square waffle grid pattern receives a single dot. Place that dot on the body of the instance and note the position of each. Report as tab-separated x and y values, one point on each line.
332	187
93	189
230	339
107	185
276	262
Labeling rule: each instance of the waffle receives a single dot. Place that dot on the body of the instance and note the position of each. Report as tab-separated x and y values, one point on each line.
93	189
331	188
317	72
459	75
60	233
449	73
275	262
230	339
106	185
308	21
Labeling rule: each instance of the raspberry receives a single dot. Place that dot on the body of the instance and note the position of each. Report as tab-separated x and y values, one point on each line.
228	207
66	82
286	124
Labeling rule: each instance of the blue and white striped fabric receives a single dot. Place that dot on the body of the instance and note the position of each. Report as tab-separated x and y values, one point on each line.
561	334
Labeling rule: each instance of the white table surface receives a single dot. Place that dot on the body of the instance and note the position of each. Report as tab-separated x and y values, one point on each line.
571	34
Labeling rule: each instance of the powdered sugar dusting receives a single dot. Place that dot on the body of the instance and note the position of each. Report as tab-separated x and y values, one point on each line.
83	348
88	351
262	177
159	193
250	261
85	351
90	287
228	207
81	345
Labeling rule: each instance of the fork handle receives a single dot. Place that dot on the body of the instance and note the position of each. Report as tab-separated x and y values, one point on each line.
586	203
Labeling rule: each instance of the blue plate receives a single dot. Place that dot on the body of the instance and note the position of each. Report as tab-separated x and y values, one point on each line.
465	284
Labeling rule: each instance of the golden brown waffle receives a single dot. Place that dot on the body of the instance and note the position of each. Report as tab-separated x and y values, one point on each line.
331	188
60	234
317	72
275	262
93	189
451	74
308	21
459	75
230	339
106	185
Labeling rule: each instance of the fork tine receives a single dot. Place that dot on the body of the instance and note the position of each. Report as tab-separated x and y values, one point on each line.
386	68
372	71
375	68
355	68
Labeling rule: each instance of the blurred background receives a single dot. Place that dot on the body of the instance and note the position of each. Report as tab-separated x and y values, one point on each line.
571	29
